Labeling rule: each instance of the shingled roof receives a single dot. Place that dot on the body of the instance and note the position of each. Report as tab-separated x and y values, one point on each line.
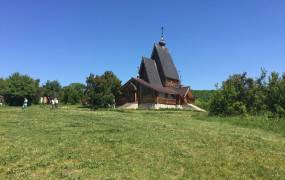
155	87
182	91
151	71
164	60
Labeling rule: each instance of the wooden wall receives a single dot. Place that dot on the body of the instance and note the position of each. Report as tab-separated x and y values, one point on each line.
129	94
171	83
161	100
146	95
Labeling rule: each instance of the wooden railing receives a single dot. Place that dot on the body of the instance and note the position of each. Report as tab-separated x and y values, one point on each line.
162	100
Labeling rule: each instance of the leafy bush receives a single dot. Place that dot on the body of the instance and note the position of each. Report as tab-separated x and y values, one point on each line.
204	104
276	94
52	89
73	94
18	87
3	86
101	91
240	95
203	95
202	98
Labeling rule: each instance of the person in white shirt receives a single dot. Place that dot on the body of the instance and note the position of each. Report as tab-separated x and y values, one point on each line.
56	102
25	105
41	102
52	103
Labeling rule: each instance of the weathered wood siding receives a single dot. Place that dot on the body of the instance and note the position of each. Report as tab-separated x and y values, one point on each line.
161	100
129	94
146	95
171	83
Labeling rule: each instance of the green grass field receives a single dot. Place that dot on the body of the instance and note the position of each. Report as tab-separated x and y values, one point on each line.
75	143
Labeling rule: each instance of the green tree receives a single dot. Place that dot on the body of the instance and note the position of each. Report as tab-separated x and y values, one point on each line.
113	82
3	89
202	97
73	94
20	87
52	89
101	91
3	86
275	98
239	95
256	94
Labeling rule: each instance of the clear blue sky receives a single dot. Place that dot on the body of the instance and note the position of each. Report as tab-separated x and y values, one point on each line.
66	40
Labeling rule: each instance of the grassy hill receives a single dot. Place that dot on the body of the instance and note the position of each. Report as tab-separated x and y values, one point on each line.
77	143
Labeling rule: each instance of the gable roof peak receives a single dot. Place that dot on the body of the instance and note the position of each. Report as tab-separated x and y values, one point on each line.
164	61
151	71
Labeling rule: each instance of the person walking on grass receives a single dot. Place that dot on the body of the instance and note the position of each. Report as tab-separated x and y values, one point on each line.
52	103
42	102
56	103
25	104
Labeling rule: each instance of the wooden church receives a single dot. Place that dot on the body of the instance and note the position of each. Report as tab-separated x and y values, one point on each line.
157	85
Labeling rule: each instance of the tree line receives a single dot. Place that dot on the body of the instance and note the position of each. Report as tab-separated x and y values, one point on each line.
241	95
99	91
237	95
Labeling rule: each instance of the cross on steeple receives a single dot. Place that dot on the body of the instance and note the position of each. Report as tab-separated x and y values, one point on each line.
162	42
162	32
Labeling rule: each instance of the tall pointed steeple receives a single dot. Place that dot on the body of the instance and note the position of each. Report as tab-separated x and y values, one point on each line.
162	41
165	65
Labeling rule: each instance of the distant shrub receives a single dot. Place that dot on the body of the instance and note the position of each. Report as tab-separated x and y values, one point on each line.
73	93
52	89
204	104
240	95
18	87
202	98
101	91
3	86
203	95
